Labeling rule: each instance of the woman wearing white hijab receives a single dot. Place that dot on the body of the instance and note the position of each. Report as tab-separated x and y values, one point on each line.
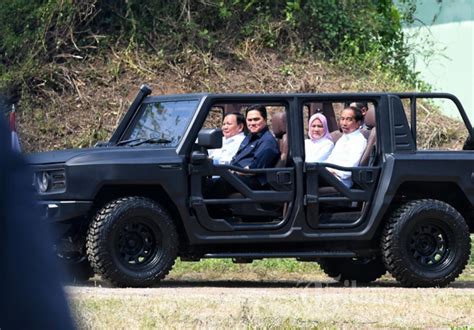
319	145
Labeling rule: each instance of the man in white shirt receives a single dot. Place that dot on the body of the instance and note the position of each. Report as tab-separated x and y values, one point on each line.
233	131
350	146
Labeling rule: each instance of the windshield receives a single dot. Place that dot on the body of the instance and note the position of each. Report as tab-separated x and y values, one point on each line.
165	122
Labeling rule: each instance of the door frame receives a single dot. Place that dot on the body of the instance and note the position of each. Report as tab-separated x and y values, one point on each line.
283	192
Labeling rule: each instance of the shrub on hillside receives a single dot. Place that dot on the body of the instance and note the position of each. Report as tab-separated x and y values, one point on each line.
34	33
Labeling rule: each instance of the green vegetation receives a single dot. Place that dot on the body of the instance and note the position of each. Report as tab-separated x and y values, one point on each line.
259	270
269	270
43	32
75	65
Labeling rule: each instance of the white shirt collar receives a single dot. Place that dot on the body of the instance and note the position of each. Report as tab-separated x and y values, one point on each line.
232	138
353	134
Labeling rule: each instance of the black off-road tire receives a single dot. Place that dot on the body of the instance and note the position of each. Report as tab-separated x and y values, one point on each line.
132	242
348	270
426	243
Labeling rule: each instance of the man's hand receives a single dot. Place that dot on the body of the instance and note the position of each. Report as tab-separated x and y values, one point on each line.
239	173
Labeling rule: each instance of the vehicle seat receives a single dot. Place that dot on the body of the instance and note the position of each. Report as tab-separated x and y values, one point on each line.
279	130
371	139
369	121
336	135
365	132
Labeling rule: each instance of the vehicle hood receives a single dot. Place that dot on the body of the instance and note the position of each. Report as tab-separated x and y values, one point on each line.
57	156
111	155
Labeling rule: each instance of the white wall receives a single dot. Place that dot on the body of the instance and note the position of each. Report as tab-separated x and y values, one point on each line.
449	25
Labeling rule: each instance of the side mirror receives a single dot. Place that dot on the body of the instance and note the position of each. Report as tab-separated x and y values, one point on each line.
210	138
198	157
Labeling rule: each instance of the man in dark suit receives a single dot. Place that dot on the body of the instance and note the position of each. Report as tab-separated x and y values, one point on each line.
259	149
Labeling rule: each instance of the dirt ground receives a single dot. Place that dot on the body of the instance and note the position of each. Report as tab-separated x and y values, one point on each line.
100	288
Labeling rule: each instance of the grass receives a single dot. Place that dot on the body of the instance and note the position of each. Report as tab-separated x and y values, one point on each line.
259	270
268	269
272	293
270	307
264	270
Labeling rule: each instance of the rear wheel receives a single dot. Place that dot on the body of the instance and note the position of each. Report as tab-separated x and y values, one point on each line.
426	243
363	270
132	242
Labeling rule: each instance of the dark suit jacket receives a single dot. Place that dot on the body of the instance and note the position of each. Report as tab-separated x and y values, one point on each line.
257	151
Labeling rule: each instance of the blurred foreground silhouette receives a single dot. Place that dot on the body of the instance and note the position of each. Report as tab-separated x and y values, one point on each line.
31	296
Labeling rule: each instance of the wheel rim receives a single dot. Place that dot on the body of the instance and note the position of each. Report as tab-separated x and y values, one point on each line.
430	246
138	244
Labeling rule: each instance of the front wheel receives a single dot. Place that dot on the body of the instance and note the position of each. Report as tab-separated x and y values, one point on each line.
426	243
132	242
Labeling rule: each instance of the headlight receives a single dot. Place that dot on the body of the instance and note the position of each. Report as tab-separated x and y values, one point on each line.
43	181
50	181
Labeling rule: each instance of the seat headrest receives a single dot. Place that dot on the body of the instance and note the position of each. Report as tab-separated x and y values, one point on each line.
336	135
369	118
279	124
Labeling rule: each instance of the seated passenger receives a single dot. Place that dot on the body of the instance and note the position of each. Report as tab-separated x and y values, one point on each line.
259	149
233	131
319	145
350	146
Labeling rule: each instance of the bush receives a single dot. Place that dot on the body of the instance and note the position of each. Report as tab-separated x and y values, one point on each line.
361	31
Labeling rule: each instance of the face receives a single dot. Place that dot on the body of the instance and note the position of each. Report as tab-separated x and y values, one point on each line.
255	121
316	129
230	126
347	121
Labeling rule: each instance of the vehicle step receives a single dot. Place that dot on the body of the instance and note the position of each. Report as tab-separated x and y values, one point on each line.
282	254
339	217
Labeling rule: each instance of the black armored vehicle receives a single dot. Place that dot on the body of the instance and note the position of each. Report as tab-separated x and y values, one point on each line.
127	208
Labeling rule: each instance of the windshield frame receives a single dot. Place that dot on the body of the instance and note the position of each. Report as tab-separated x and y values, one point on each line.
128	131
